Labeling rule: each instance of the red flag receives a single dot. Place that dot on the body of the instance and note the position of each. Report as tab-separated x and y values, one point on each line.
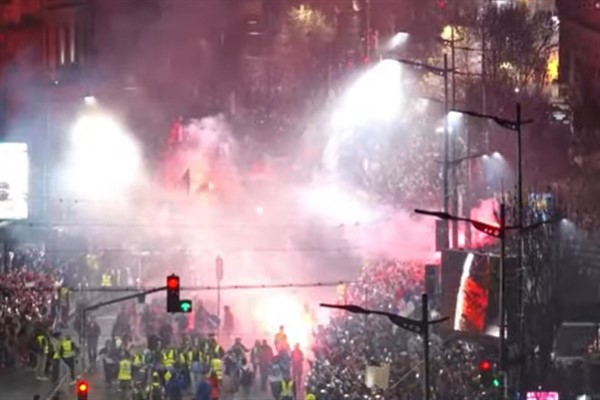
176	133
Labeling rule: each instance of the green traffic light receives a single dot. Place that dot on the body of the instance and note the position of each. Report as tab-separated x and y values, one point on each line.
496	382
185	306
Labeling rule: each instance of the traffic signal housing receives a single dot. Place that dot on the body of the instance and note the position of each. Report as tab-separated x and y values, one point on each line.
82	390
489	377
174	303
173	290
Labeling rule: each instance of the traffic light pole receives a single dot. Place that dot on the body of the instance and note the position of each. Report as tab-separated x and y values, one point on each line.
419	327
502	296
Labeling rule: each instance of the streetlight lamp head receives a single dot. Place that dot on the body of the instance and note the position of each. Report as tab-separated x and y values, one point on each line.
454	117
90	100
398	40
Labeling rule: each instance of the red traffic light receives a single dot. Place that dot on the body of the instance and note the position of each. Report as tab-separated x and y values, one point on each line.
485	366
82	387
173	282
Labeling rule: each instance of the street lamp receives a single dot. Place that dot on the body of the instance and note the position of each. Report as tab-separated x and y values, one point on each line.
475	156
513	125
419	327
444	73
500	233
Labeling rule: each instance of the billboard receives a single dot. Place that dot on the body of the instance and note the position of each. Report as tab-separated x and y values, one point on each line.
14	181
470	289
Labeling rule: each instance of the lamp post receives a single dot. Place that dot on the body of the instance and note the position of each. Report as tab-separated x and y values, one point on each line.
500	233
444	73
419	327
515	126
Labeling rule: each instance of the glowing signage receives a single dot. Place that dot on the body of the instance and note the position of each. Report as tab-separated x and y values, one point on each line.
14	181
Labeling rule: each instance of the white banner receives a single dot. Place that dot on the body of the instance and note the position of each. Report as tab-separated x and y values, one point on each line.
14	181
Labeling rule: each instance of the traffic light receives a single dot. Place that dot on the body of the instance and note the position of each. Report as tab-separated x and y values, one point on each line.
489	377
185	306
485	366
173	293
82	390
496	382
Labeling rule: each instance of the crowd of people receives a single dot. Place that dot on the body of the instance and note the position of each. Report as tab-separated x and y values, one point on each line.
168	360
349	343
27	304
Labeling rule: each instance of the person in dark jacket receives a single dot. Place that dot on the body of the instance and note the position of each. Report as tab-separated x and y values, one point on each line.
175	387
203	390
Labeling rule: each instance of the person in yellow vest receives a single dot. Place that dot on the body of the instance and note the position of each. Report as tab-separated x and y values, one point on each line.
167	377
138	367
288	389
67	353
55	363
216	367
106	280
168	358
43	347
281	340
125	373
155	390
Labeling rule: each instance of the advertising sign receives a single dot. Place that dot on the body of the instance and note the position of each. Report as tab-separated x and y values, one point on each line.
542	396
14	181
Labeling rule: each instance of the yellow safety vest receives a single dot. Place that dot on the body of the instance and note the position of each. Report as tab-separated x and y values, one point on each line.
190	356
168	358
186	357
106	280
216	366
55	349
137	360
67	348
168	376
287	389
43	342
124	370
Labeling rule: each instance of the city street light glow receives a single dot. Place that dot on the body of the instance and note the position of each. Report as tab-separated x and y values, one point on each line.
398	40
454	117
376	96
105	161
90	100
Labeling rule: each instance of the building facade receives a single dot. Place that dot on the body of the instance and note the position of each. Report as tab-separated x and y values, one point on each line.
580	59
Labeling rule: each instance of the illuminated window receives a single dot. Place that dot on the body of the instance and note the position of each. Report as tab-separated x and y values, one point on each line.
63	44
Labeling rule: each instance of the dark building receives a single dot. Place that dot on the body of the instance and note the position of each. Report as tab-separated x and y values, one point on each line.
580	59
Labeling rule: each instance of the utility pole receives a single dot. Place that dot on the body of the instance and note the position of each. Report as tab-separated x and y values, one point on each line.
502	291
419	327
219	275
445	191
425	336
455	186
522	271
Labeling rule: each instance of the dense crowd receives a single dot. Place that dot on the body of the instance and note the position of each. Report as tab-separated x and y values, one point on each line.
345	347
170	359
24	309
